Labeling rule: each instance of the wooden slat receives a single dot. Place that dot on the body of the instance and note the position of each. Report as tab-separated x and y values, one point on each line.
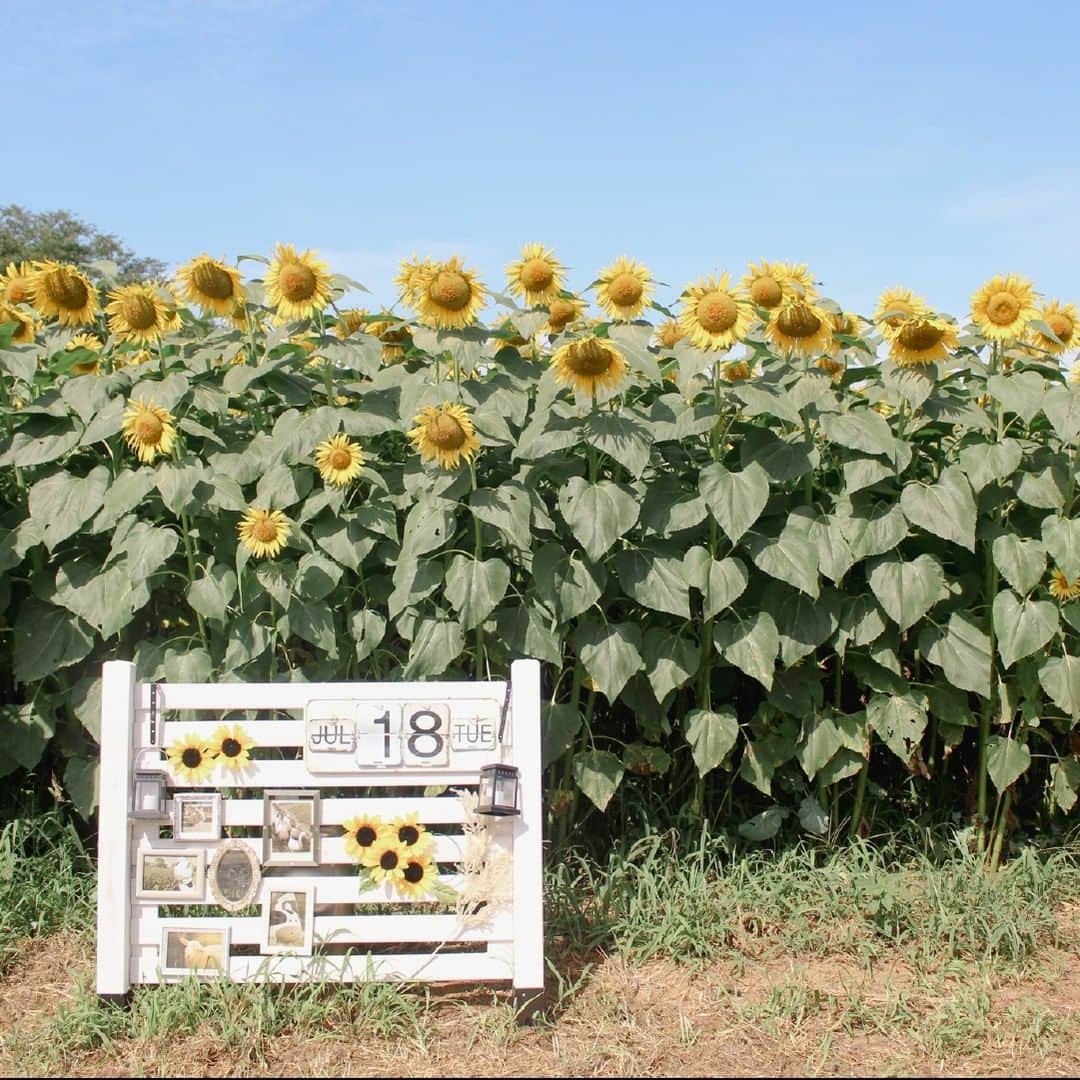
331	849
440	811
294	774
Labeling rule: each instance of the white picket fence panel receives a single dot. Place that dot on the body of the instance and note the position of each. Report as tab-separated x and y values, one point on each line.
358	935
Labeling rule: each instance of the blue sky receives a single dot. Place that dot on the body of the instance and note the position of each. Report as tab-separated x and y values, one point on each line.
930	145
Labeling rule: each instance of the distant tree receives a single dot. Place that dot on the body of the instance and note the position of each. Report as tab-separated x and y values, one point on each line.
60	235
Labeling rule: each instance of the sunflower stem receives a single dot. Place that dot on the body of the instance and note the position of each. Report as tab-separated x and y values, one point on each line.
860	789
189	549
480	657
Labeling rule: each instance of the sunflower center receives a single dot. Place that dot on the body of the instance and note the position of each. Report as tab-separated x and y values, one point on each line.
560	313
297	282
737	372
414	872
589	358
408	834
766	292
1003	308
1062	326
17	292
66	289
798	321
212	281
231	747
625	290
450	290
365	836
191	757
717	312
446	432
265	530
920	335
340	459
148	429
536	274
139	312
388	860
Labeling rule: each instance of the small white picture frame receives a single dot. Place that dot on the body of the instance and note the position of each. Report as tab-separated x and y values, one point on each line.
234	875
197	815
291	821
177	874
288	918
194	951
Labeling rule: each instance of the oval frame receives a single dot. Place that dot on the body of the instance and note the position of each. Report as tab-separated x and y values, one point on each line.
252	890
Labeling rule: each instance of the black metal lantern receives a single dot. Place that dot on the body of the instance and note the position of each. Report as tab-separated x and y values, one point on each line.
498	793
148	795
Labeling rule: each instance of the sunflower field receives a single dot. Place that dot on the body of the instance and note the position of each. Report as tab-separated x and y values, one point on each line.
786	567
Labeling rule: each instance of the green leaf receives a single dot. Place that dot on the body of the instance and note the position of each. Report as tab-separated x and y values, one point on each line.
907	590
872	528
788	557
527	632
316	577
865	472
1062	539
945	509
1006	761
864	430
1060	678
507	509
1065	782
760	401
187	665
598	514
474	587
125	493
86	704
1062	408
671	660
985	463
1022	626
273	578
1044	488
107	600
211	594
812	818
962	650
40	441
569	583
825	733
559	725
429	525
763	826
47	638
25	731
735	500
646	760
1020	392
81	783
61	503
248	640
622	437
802	622
598	774
183	487
784	458
862	620
105	423
668	509
766	754
750	644
610	652
711	735
899	720
726	582
367	629
147	549
826	537
1021	562
313	622
436	644
345	541
654	581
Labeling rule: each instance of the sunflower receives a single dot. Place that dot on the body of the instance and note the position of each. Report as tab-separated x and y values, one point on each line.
450	296
387	858
26	326
624	289
922	340
736	371
1064	321
800	326
15	284
297	284
230	745
263	532
63	291
413	278
170	318
213	285
361	835
91	344
350	321
1061	588
1003	307
833	368
714	316
136	313
445	434
238	315
894	306
562	311
190	758
768	284
590	364
413	837
339	460
536	276
148	430
669	334
418	876
843	322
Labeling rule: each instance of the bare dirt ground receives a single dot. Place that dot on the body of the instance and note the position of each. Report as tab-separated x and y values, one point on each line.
749	1015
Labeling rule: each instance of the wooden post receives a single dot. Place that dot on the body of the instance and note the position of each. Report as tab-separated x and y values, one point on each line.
114	831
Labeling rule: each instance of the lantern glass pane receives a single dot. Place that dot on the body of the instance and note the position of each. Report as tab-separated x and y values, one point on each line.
506	791
486	794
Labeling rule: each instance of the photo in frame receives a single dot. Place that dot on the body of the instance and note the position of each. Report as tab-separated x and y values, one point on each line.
291	828
191	951
197	815
171	874
234	875
288	918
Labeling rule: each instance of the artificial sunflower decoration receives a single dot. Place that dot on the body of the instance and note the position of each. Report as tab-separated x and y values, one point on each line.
1061	588
339	460
63	292
412	836
148	430
387	858
445	434
26	326
537	276
590	364
231	745
450	297
212	284
15	283
91	344
624	289
136	313
1003	307
769	283
413	278
263	532
362	832
1064	321
562	311
419	876
190	758
714	316
922	340
669	334
297	284
894	306
799	326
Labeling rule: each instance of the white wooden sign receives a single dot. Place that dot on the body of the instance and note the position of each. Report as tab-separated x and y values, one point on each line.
314	790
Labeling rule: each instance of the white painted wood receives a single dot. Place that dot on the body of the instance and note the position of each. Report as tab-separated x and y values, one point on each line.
331	849
438	811
262	774
114	884
254	696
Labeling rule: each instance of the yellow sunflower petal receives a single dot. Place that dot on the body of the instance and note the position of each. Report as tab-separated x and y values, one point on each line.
1003	307
231	746
1064	321
801	327
361	835
537	276
136	313
624	290
922	340
714	316
297	283
148	430
64	292
212	284
445	434
339	460
449	296
263	532
190	758
418	877
590	365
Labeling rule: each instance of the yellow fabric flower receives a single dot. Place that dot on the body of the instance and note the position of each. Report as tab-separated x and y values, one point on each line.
770	283
562	311
148	430
922	340
15	284
362	834
1064	321
418	876
714	316
537	275
1061	588
387	859
26	326
62	291
412	836
212	284
263	532
190	758
339	460
450	296
136	313
297	284
624	289
445	434
799	326
590	364
231	745
1003	307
